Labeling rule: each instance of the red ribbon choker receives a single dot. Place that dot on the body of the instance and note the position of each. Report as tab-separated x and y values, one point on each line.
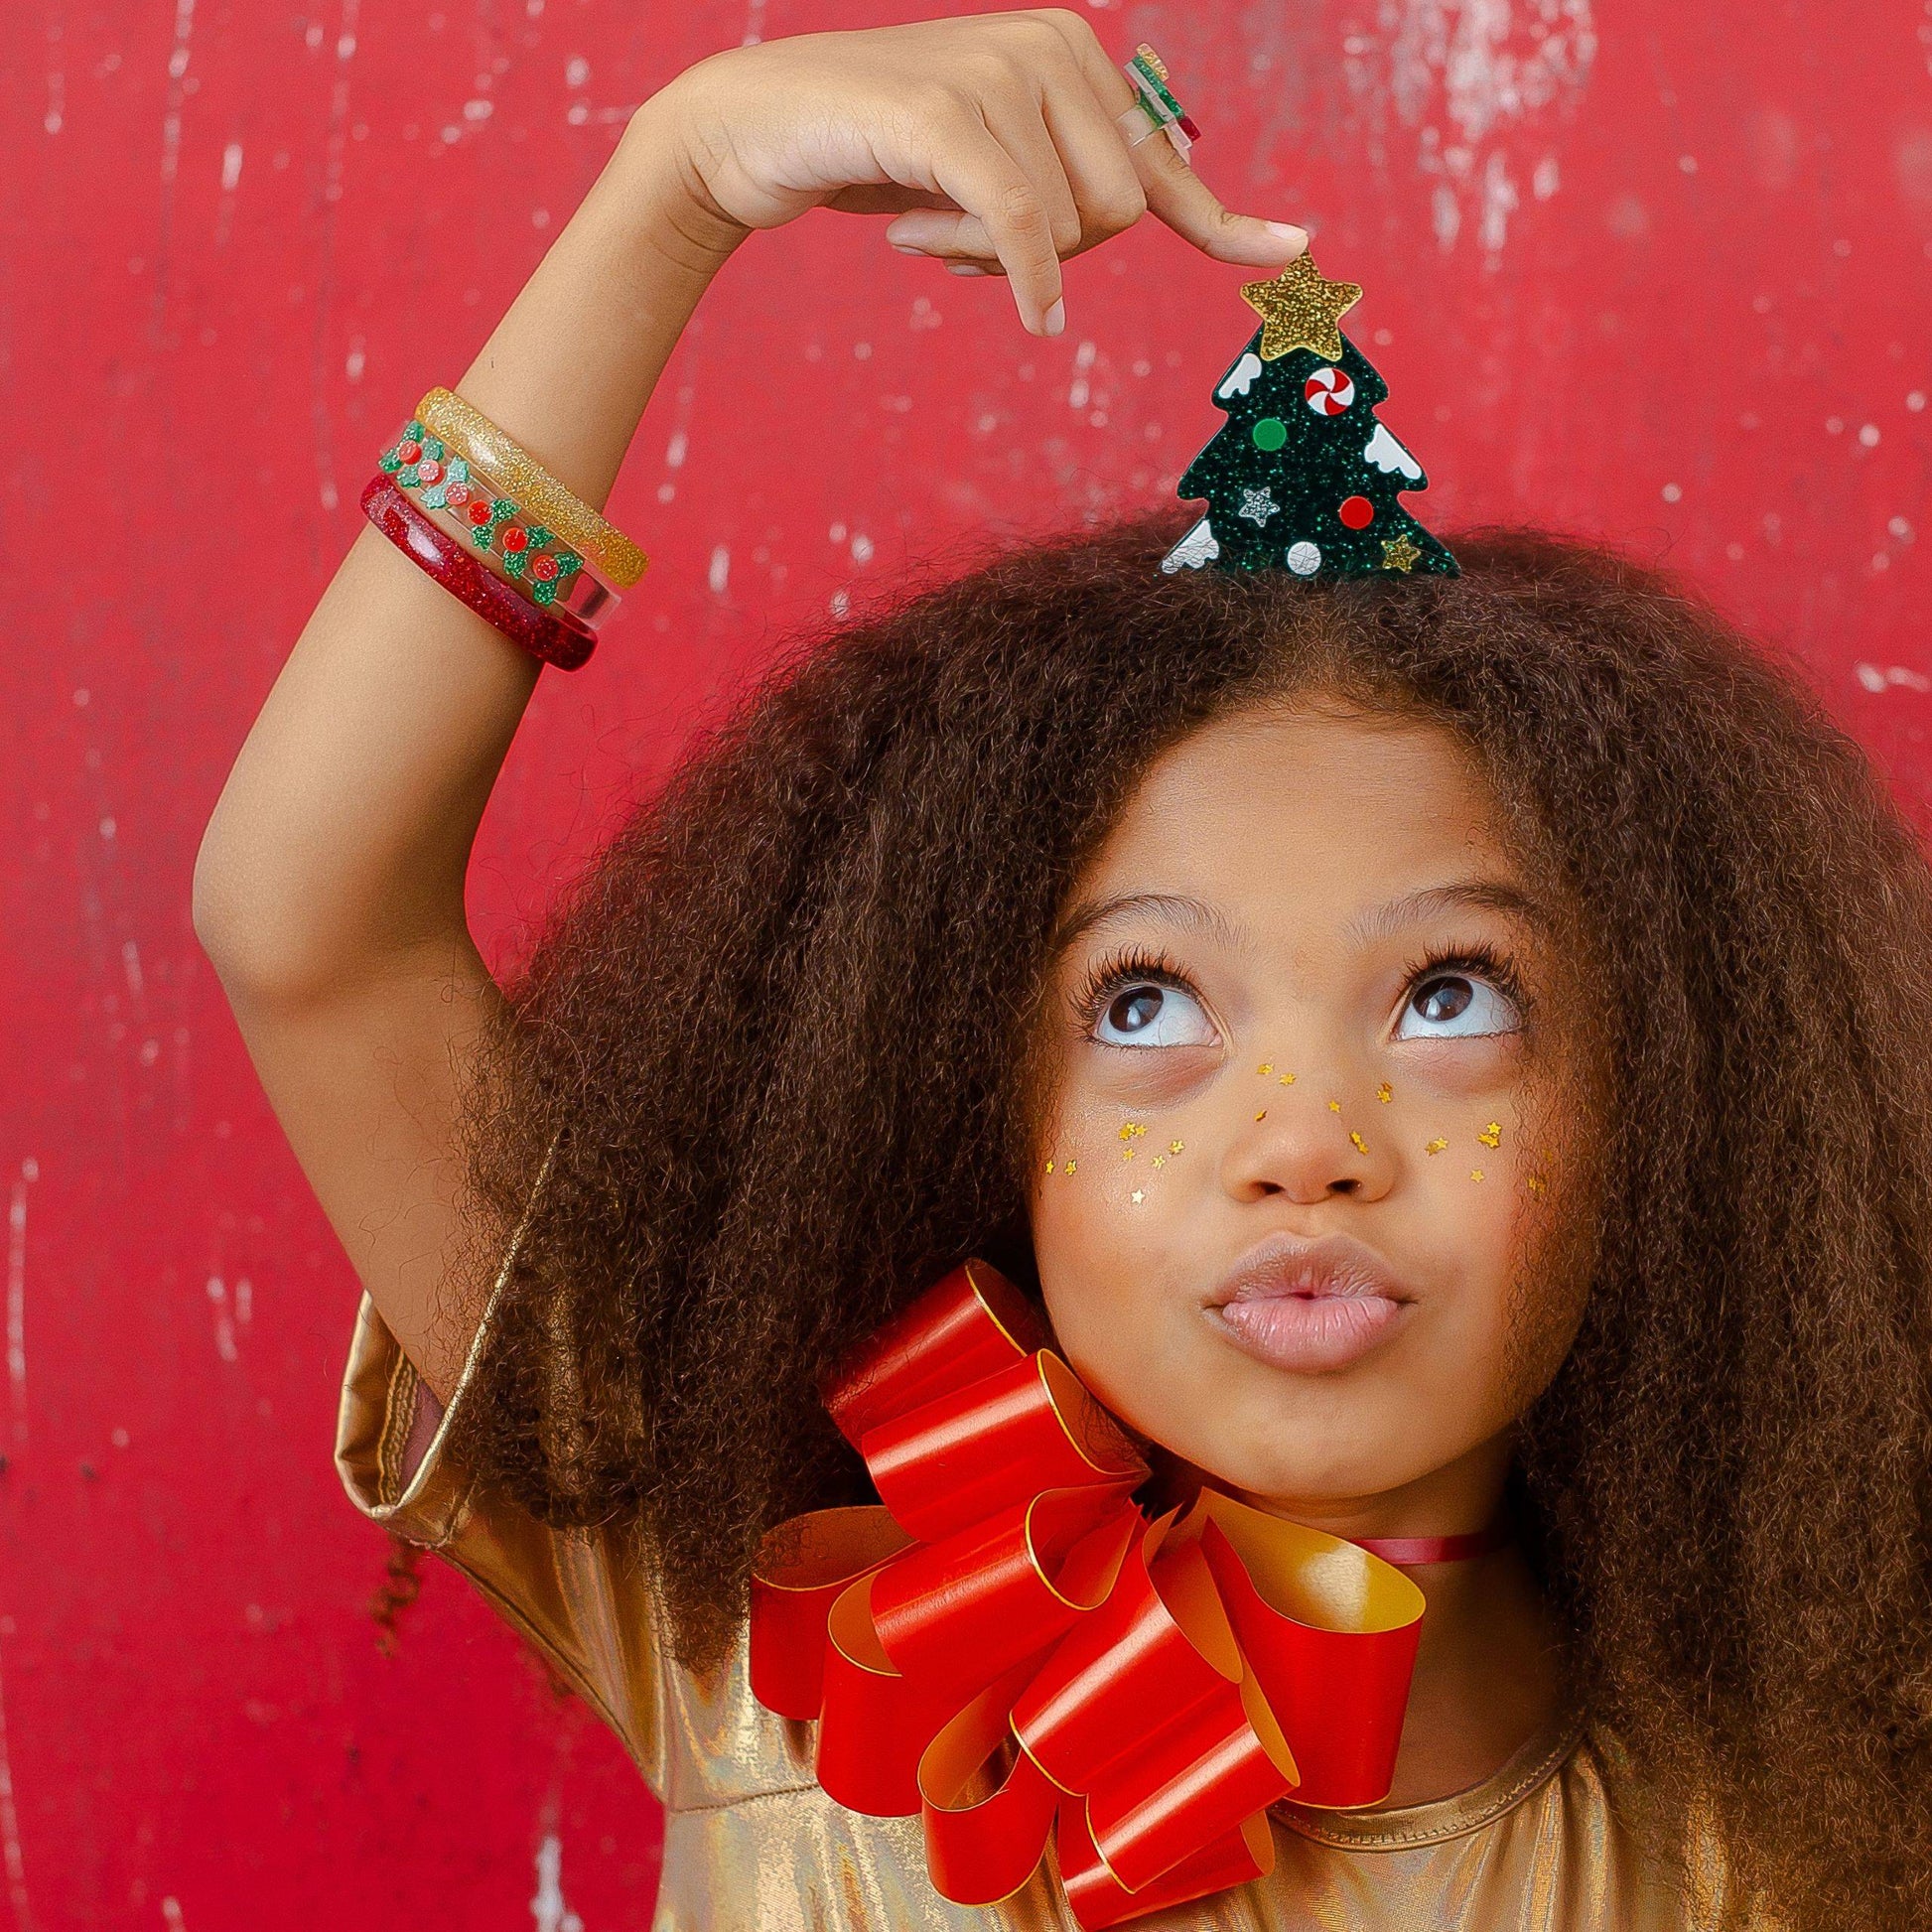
1013	1650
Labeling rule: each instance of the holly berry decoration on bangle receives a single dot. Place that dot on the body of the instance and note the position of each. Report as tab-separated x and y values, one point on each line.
529	554
1303	476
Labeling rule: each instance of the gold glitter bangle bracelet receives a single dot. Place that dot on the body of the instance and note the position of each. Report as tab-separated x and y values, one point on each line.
444	414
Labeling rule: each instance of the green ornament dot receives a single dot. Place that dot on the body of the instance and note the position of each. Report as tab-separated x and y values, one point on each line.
1270	433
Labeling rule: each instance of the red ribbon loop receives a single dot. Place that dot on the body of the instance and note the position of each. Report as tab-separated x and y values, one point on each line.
1008	1640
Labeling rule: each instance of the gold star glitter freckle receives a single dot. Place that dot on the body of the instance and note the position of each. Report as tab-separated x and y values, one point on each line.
1287	1079
1361	1146
1398	553
1475	1174
1534	1183
1300	309
1492	1135
1265	1068
1385	1093
1070	1166
1263	1115
1138	1196
1049	1166
1436	1146
1175	1147
1159	1160
1127	1154
1334	1106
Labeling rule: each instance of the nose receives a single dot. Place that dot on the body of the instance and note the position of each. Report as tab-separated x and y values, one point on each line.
1307	1148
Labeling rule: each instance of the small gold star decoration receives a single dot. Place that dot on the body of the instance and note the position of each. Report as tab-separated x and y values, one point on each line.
1398	553
1361	1146
1070	1166
1436	1146
1385	1093
1175	1147
1049	1166
1132	1131
1492	1135
1334	1106
1535	1184
1475	1174
1263	1115
1299	309
1127	1154
1159	1160
1287	1079
1265	1068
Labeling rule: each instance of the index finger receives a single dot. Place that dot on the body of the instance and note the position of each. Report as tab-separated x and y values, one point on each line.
1174	192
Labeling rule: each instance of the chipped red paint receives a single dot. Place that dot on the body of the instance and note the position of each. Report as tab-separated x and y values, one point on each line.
1665	279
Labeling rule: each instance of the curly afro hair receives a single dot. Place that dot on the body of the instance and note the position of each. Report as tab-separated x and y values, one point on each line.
775	1036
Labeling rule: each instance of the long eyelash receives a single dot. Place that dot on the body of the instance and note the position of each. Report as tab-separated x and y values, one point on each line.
1478	962
1114	972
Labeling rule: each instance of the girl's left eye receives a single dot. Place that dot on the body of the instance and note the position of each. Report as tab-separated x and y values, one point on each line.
1148	1014
1456	1006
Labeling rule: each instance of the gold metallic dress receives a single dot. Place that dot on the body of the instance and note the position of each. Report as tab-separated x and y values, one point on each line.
750	1840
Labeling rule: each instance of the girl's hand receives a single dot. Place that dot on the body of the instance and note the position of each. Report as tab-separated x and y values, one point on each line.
995	140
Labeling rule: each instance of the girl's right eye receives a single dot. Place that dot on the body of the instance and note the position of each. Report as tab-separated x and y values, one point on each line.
1148	1014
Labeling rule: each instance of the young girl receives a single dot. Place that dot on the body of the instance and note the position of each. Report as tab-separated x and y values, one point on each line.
1441	1052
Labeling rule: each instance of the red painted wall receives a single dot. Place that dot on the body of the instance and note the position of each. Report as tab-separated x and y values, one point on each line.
1634	267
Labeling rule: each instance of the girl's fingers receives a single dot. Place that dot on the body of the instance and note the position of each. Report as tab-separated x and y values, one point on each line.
1017	126
1180	198
978	174
1107	189
949	237
1175	193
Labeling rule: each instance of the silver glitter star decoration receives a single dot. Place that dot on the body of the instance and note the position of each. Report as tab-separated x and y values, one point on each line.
1258	506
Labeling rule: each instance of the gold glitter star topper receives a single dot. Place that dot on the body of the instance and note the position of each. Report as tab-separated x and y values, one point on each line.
1300	309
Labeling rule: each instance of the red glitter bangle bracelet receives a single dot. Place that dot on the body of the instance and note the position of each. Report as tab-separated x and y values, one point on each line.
553	635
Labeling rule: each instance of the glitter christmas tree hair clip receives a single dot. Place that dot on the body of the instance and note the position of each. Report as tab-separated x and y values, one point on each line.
1302	476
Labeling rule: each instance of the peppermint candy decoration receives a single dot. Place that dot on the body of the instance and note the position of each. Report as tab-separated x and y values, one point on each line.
1330	390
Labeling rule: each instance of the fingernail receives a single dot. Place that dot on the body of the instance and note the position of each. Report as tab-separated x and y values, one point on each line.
1053	323
906	248
965	268
1288	232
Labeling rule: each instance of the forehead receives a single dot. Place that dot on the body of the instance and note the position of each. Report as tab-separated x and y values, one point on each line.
1303	810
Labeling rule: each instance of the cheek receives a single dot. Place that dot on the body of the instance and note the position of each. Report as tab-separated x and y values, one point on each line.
1115	1264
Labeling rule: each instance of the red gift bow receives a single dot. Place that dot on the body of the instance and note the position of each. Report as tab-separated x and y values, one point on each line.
1165	1681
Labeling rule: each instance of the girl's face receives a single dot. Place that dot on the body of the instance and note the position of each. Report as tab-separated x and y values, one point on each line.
1293	1169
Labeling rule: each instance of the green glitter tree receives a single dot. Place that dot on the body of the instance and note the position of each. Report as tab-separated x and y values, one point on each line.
1303	476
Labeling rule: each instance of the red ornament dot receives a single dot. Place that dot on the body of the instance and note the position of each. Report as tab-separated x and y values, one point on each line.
408	452
429	473
1357	513
458	494
545	569
516	539
480	513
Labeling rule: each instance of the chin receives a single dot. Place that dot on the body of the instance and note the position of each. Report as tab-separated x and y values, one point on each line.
1309	1472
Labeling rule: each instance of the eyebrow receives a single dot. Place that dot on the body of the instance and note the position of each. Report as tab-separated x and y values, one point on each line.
1175	908
1461	894
1378	922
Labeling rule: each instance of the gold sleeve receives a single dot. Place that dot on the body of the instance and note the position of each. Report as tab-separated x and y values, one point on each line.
580	1596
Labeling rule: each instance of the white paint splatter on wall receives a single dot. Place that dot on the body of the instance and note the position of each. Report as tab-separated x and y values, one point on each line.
548	1911
1466	75
17	1297
10	1851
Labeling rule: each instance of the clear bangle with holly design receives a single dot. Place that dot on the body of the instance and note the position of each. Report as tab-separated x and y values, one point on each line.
469	501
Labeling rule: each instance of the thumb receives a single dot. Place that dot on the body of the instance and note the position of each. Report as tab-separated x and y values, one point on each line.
1179	197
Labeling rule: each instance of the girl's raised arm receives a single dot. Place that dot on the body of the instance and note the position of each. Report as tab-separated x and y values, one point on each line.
329	886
